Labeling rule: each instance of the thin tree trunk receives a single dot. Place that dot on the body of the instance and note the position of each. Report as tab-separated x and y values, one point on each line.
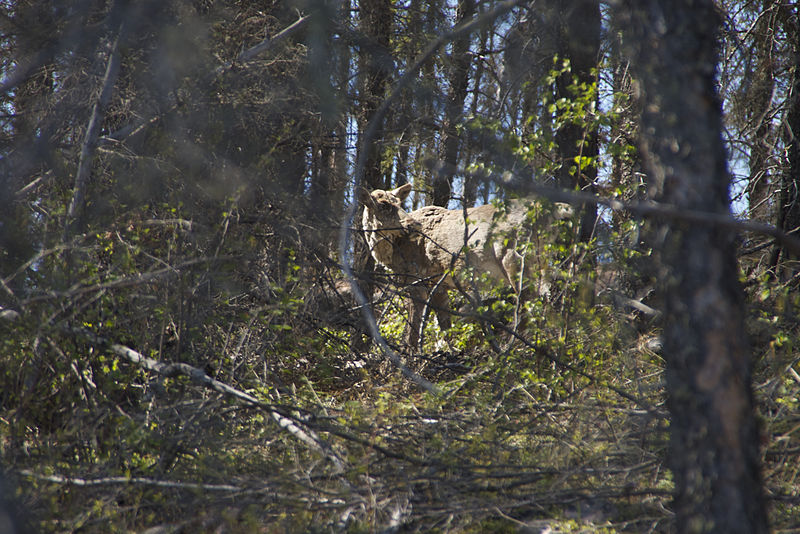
758	106
471	181
457	94
578	40
789	209
77	204
375	60
375	66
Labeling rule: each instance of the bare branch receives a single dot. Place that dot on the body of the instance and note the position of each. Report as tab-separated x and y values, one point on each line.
126	281
656	210
251	53
22	192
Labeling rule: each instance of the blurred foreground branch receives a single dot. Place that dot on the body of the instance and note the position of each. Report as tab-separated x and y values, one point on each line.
648	208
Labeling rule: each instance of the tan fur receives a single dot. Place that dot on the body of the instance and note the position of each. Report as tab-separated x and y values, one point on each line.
424	246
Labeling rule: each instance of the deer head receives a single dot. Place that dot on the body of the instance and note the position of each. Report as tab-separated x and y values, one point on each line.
385	221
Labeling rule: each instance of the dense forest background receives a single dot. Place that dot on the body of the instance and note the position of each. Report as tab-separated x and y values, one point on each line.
182	351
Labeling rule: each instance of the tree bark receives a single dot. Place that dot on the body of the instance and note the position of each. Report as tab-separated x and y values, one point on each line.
457	94
376	65
789	209
578	40
714	453
77	204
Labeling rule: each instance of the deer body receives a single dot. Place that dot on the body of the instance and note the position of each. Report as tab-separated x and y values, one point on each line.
425	247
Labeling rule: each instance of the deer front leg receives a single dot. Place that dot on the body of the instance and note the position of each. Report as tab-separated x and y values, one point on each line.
419	298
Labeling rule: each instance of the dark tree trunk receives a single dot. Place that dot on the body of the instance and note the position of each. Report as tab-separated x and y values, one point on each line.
375	67
329	176
789	212
759	102
714	435
578	40
376	64
457	94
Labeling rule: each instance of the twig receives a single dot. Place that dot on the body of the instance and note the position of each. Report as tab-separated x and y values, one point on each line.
757	248
426	309
538	349
125	281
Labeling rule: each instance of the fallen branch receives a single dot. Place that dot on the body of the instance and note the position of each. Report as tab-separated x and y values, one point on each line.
110	481
171	370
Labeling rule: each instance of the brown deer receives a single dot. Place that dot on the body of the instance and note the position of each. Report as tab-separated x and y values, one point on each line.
426	247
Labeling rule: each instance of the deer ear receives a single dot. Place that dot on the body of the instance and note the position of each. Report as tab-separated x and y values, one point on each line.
402	192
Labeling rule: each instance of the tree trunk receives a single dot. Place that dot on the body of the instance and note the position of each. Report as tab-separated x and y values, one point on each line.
578	40
375	67
457	94
76	207
376	64
758	104
714	436
789	209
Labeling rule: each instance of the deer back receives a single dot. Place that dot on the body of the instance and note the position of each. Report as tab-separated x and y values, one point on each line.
482	238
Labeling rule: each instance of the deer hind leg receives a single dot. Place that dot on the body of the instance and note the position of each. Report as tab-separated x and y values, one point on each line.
513	264
440	304
416	308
